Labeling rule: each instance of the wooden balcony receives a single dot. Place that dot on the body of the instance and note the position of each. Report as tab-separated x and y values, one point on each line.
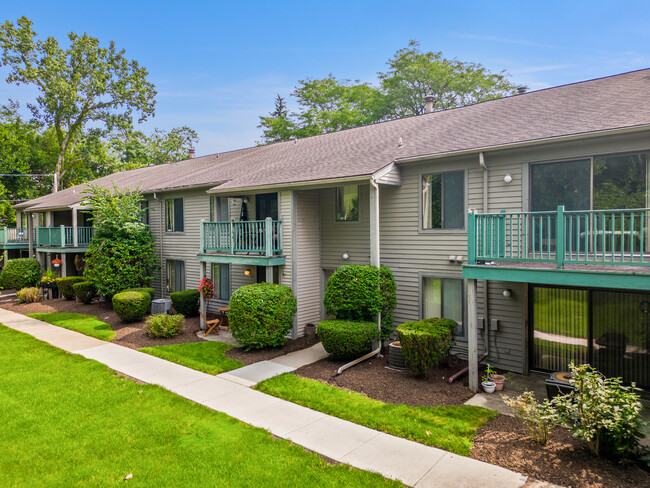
63	237
14	238
523	246
257	242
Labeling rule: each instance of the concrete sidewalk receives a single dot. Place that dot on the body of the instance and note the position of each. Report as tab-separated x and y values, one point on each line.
412	463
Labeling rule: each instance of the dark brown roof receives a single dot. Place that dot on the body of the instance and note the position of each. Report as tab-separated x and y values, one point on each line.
615	102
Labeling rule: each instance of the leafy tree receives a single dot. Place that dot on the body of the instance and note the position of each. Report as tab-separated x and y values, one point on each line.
85	83
135	149
413	74
329	104
122	253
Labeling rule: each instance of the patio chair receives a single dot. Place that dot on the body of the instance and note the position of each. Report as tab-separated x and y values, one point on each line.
211	325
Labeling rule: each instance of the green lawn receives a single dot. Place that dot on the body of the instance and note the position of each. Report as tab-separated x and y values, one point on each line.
209	357
67	421
79	322
450	428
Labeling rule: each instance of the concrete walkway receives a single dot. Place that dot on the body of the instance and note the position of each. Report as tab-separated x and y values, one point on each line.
412	463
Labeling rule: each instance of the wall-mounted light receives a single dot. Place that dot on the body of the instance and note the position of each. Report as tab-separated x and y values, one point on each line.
507	178
346	256
247	272
507	293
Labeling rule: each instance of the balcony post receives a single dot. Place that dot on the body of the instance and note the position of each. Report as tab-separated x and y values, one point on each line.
559	237
5	237
268	236
232	237
202	236
63	236
471	236
472	336
75	234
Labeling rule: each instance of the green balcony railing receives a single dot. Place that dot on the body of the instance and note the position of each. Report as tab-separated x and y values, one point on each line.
258	236
63	236
13	235
616	237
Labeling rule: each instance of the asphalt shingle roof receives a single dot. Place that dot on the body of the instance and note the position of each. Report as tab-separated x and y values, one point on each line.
615	102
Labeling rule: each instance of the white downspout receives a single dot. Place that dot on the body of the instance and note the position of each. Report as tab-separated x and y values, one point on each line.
374	261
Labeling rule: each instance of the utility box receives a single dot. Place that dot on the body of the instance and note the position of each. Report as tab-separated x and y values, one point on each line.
161	305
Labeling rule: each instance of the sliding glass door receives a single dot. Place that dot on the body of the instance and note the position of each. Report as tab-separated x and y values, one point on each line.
608	329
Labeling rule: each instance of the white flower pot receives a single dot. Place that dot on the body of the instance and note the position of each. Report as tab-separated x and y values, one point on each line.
488	386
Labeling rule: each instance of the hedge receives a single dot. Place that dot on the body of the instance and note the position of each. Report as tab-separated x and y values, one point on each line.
85	291
66	284
346	339
356	292
20	273
186	302
131	305
425	343
151	291
261	315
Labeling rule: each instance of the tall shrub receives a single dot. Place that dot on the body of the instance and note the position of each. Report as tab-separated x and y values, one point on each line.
66	284
359	293
20	273
122	253
425	343
261	315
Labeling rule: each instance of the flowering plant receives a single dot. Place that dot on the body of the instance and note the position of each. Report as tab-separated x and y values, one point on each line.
56	261
206	288
48	277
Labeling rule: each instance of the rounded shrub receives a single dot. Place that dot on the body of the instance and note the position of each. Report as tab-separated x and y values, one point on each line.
163	325
29	295
20	273
131	305
425	343
356	292
261	315
85	291
151	291
346	339
66	284
186	302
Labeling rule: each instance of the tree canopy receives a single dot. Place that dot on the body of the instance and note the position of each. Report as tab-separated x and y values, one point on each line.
81	84
329	104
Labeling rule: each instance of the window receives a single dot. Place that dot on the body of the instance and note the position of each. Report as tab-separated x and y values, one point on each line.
347	203
443	297
219	209
221	281
261	274
174	215
144	205
443	201
41	220
175	275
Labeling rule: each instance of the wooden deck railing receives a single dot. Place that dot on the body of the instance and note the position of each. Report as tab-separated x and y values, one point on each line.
258	236
63	236
13	235
611	237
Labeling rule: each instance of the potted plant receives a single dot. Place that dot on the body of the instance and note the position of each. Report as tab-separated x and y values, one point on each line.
488	385
499	380
56	262
49	281
206	289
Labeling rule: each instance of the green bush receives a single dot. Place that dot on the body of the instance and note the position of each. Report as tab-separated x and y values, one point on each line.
66	286
29	295
352	293
151	291
538	418
261	315
186	302
131	305
20	273
602	412
85	291
163	325
346	339
425	343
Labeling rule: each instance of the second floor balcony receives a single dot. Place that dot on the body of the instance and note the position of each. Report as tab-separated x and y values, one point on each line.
63	236
262	237
14	237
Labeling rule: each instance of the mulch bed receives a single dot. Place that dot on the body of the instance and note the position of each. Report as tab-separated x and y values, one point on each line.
255	356
503	441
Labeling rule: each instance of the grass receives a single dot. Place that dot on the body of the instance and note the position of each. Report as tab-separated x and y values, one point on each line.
208	357
79	322
450	428
67	421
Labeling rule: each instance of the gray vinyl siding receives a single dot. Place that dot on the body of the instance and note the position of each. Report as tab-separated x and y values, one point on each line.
338	238
285	210
308	253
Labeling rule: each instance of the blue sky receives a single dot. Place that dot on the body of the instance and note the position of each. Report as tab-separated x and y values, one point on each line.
218	65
